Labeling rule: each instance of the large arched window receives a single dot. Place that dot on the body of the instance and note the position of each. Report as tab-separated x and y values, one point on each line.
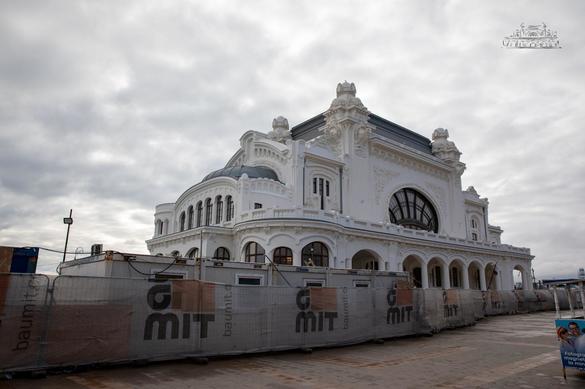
254	252
222	253
159	227
190	217
182	221
411	209
218	209
315	254
229	203
208	208
282	256
199	213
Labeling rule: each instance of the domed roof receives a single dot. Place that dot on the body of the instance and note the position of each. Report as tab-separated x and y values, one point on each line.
237	171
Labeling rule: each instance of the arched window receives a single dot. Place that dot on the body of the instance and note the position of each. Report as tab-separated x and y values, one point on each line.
222	253
193	253
411	209
315	254
182	221
159	227
230	208
190	217
283	256
254	252
199	213
208	208
218	209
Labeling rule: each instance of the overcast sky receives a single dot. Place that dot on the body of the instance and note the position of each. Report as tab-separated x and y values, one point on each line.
110	108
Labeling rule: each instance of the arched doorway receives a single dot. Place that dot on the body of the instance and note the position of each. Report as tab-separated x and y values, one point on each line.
413	265
437	276
365	259
315	254
474	274
491	275
518	277
456	274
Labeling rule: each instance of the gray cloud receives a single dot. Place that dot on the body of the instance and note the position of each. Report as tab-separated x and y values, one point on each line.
110	108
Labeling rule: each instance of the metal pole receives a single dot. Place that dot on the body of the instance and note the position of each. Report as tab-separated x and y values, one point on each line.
67	237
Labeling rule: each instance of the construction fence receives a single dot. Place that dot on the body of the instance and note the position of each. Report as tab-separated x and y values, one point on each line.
71	321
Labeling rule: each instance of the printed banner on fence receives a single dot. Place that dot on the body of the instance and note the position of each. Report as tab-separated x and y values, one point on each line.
571	335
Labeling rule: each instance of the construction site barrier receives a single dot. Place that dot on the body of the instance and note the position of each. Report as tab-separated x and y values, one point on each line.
71	321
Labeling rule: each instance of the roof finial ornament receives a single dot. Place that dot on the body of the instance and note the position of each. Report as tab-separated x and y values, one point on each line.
444	148
280	131
346	88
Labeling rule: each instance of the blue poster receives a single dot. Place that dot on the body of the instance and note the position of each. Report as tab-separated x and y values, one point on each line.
571	335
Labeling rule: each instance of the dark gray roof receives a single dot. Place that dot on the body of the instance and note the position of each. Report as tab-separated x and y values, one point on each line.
309	129
237	171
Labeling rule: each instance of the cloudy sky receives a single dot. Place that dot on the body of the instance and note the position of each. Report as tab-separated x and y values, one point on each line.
110	108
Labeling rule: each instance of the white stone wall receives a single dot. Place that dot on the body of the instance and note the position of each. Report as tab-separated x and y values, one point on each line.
363	170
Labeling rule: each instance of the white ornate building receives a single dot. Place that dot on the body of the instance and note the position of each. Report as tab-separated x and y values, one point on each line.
345	189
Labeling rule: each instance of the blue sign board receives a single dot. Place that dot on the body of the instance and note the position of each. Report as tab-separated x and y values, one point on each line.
571	335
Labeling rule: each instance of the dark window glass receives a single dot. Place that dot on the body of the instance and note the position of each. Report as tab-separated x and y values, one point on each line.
257	205
411	209
190	217
474	236
283	256
182	221
327	188
208	210
199	213
315	254
218	209
230	208
222	253
315	185
193	253
249	281
254	252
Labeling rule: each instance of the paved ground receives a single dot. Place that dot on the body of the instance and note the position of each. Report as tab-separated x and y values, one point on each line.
499	352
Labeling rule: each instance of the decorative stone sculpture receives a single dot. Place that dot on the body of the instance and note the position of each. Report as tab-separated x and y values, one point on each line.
443	148
280	131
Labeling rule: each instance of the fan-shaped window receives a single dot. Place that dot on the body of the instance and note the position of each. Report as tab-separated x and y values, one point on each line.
411	209
182	221
254	252
283	256
190	217
315	254
230	208
199	213
208	209
222	253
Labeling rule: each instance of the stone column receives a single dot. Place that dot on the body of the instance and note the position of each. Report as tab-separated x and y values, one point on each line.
482	280
465	277
425	276
446	277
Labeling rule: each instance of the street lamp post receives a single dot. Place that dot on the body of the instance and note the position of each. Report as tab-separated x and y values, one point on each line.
69	222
